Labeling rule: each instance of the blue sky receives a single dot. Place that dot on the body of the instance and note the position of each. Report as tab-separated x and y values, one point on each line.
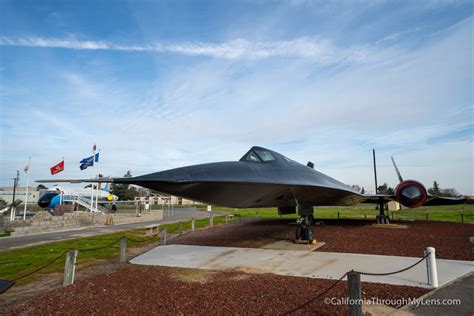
162	84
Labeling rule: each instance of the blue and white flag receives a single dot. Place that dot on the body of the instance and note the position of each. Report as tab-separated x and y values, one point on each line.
89	161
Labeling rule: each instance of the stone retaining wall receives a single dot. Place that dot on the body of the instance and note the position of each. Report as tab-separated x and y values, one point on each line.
45	222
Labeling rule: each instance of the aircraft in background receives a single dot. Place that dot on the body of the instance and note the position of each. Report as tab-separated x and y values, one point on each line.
265	178
56	194
18	213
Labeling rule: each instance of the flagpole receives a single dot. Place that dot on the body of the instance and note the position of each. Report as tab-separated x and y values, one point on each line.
97	188
27	169
61	192
92	184
13	208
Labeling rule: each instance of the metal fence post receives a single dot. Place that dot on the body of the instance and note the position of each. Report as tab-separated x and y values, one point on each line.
431	268
354	293
70	267
462	218
426	216
123	250
164	235
338	216
226	219
211	221
193	224
365	216
180	228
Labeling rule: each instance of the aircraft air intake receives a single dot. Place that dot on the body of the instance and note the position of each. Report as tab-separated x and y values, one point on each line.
411	193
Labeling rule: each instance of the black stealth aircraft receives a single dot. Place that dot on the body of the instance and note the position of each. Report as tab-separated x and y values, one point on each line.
265	178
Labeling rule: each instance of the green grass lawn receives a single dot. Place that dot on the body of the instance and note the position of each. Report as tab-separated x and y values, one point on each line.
450	213
19	262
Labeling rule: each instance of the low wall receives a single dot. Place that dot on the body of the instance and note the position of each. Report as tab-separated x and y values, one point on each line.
45	222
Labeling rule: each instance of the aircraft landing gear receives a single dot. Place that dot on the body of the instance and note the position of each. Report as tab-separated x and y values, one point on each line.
303	230
382	218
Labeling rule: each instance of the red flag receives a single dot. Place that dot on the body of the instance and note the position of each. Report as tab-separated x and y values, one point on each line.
58	168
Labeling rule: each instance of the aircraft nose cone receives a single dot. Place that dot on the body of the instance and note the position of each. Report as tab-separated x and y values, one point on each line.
44	202
411	193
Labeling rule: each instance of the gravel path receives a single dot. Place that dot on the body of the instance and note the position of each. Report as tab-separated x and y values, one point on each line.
143	290
451	240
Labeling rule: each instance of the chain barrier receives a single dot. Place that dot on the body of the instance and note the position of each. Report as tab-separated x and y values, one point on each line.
345	274
318	296
41	268
145	240
66	251
394	272
99	248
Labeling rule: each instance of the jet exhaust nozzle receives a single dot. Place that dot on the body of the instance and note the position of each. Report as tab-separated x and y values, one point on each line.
411	193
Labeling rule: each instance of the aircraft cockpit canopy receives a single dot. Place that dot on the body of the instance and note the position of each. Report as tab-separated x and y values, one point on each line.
258	155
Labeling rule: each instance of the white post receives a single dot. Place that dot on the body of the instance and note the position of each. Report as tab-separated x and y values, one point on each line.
97	195
92	184
27	170
70	267
432	270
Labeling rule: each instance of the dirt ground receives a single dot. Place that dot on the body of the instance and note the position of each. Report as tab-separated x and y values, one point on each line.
145	290
121	289
451	240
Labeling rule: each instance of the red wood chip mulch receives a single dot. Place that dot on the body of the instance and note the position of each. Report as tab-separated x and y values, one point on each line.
145	290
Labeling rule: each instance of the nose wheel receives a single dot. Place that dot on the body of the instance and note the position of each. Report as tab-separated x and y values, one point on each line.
382	218
304	233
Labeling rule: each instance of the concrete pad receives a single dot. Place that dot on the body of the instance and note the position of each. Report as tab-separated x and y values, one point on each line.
290	245
323	265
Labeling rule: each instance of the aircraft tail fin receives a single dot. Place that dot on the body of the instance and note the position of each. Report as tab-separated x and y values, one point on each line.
375	172
397	171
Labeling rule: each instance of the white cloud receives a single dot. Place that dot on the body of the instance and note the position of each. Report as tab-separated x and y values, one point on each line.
317	49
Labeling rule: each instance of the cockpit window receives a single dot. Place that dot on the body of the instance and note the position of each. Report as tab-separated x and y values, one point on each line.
264	155
259	155
251	156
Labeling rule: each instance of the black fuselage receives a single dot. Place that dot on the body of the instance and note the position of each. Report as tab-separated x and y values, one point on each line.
275	182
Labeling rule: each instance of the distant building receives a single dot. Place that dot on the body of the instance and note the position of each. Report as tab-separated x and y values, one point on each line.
6	194
393	206
166	199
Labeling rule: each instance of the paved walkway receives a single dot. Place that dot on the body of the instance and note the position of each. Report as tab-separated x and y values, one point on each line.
7	243
462	290
324	265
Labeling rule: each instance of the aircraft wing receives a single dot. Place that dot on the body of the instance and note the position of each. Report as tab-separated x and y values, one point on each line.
444	200
431	201
101	180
